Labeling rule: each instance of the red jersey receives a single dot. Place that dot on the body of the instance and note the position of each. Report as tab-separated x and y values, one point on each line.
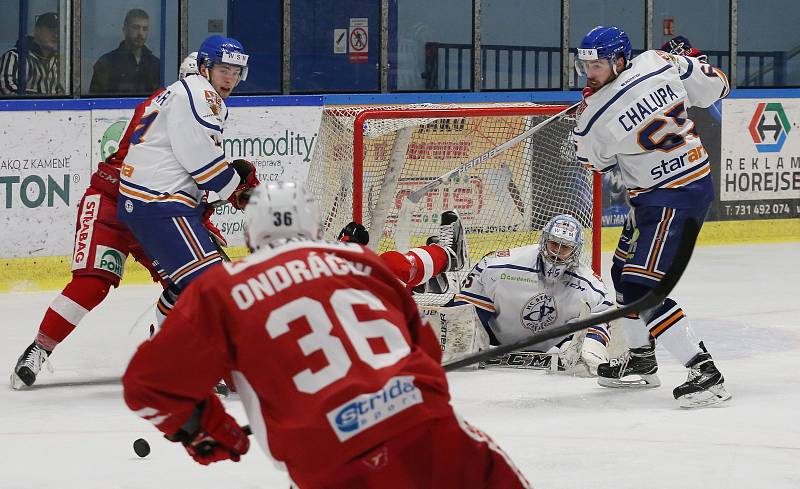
106	178
327	349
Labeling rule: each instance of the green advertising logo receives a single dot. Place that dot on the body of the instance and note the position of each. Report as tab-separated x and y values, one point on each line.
110	140
110	260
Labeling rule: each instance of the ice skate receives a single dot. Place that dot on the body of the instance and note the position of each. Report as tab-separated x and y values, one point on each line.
705	385
452	239
222	390
638	362
28	366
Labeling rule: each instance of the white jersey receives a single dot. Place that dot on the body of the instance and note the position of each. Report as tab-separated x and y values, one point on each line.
639	123
176	153
513	299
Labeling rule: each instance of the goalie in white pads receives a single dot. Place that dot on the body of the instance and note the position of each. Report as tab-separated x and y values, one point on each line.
520	291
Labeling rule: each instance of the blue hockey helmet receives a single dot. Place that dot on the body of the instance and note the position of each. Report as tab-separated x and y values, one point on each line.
602	42
221	49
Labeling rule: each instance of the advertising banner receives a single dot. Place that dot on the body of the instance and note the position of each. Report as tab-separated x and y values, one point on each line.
759	175
278	141
44	170
107	129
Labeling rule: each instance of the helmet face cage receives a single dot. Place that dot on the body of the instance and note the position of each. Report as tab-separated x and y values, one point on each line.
281	210
560	245
225	50
603	43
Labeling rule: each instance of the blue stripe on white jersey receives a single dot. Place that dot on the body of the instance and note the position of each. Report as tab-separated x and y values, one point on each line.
197	174
194	110
688	70
220	181
617	96
515	267
588	282
476	296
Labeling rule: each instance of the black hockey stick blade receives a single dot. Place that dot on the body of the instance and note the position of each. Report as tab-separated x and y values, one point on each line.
654	297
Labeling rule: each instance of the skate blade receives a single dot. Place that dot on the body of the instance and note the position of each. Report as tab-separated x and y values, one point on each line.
16	383
644	382
711	397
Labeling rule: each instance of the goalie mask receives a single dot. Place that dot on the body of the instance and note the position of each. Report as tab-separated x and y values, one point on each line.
560	246
280	211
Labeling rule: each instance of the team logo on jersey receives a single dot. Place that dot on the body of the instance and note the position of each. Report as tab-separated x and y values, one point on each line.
214	101
110	260
539	313
769	127
367	410
128	206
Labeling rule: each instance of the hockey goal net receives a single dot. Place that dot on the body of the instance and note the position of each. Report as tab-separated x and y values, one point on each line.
368	160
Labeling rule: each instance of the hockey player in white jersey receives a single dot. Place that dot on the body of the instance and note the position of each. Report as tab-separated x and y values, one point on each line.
520	291
635	119
175	159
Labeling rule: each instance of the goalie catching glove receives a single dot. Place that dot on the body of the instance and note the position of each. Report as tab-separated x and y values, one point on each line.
211	434
247	173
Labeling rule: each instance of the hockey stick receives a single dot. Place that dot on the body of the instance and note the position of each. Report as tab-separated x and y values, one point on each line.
651	299
416	195
412	199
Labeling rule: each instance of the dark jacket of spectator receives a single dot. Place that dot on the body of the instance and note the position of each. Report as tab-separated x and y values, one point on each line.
117	72
41	72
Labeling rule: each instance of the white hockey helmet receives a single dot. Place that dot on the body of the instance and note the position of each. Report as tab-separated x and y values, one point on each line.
560	245
189	66
280	210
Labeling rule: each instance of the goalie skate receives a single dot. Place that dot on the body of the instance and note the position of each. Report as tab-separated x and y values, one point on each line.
704	387
28	366
637	362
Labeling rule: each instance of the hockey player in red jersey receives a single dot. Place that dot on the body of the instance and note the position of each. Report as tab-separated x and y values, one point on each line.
102	244
422	269
339	376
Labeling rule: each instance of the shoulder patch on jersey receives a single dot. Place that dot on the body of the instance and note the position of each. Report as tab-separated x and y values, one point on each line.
669	58
503	253
214	101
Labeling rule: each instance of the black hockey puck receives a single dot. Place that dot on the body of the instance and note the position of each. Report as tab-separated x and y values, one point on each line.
141	447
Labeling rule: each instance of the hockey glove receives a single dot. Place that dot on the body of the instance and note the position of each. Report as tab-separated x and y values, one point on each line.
211	434
682	47
213	231
354	233
247	173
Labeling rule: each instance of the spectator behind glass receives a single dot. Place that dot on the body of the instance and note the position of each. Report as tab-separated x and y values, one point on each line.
132	67
41	51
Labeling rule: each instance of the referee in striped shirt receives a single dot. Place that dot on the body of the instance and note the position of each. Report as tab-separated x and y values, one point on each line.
42	68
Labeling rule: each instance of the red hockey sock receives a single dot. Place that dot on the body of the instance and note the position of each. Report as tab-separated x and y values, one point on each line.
418	265
79	297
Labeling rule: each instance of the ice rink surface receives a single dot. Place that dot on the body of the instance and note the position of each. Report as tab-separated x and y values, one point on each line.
72	429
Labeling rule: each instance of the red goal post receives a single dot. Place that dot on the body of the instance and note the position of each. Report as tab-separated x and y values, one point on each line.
504	199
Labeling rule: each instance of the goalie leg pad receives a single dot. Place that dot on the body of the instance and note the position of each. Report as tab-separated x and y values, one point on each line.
459	329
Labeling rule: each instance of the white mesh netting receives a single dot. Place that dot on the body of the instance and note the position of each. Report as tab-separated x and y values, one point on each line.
503	201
